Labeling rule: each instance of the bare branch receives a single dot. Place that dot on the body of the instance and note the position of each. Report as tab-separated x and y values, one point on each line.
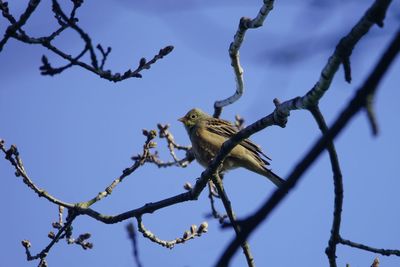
16	25
279	116
374	15
385	252
187	235
43	254
232	218
81	241
338	185
214	211
244	25
104	54
139	161
172	145
83	208
354	106
12	155
71	22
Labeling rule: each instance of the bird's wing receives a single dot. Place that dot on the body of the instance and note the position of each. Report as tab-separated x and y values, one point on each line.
226	129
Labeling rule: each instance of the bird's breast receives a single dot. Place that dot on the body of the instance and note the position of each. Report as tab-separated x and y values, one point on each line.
206	145
204	149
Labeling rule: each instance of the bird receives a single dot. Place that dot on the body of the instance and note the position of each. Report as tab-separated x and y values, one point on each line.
207	134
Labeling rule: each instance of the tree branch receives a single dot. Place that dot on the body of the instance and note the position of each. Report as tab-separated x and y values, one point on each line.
187	235
16	25
338	185
385	252
43	254
244	25
356	104
374	15
232	217
15	31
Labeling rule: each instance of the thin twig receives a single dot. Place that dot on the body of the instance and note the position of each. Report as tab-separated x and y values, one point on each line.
172	145
214	211
14	27
139	161
385	252
41	255
338	185
187	235
15	31
232	217
12	155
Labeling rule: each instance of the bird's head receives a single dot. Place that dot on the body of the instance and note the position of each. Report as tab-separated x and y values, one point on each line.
192	117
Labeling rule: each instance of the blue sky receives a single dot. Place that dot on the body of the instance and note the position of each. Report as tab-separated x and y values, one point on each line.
77	132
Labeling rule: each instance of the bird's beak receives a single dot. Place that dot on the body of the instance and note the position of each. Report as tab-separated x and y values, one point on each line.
183	119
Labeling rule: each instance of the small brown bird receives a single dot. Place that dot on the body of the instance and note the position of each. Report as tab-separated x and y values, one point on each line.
207	135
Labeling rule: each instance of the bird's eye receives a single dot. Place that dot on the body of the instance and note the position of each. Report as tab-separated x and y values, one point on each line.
193	116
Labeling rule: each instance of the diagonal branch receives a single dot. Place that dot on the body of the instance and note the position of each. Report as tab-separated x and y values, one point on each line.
12	155
355	105
374	15
41	255
139	161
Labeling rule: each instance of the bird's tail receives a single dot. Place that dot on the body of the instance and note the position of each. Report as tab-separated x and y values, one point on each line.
278	181
264	171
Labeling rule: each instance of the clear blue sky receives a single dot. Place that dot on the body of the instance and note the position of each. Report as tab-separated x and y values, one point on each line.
77	132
